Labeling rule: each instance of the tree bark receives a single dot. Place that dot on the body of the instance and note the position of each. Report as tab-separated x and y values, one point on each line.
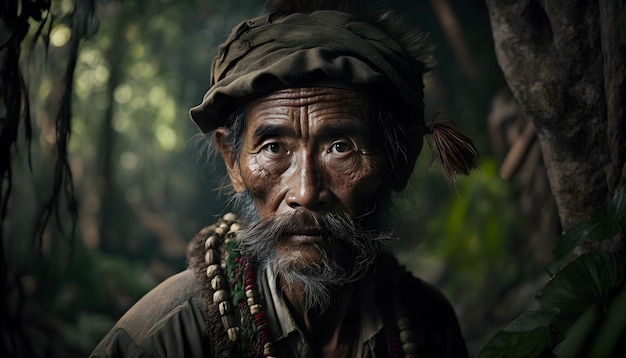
564	62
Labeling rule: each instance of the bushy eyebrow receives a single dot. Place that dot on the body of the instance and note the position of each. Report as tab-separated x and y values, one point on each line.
343	128
327	130
268	130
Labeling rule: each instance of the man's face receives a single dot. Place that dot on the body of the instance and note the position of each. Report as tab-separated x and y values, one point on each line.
309	150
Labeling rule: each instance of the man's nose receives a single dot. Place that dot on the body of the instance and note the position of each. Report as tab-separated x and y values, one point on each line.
307	186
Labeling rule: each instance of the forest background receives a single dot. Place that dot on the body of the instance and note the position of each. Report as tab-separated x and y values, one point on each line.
144	184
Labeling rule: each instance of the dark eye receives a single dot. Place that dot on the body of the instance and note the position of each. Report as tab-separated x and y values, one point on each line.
273	148
340	147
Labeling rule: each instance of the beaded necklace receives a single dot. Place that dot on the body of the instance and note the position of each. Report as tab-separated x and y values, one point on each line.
233	283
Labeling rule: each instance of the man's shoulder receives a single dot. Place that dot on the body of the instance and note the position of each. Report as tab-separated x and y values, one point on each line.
176	293
173	312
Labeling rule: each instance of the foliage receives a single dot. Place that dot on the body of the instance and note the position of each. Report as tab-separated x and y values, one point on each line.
583	307
145	68
143	190
474	234
466	240
69	306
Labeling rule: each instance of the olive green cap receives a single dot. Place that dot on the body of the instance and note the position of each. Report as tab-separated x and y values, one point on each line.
323	48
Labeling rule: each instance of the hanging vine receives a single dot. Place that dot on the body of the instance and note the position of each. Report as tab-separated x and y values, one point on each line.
17	19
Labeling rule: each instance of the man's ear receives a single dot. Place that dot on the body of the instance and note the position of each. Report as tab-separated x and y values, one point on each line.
402	171
230	159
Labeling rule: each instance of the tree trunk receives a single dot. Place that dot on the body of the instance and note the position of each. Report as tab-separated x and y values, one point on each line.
564	62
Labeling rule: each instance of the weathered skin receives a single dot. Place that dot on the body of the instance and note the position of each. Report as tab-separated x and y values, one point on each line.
309	149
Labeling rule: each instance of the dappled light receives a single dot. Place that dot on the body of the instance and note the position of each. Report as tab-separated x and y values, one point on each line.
145	185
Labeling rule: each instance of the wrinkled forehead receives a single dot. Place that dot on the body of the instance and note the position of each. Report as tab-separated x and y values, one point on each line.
329	110
312	99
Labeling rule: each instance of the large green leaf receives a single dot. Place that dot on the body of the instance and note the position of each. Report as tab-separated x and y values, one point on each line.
616	209
568	242
534	343
603	225
597	334
588	280
610	337
575	301
577	342
528	321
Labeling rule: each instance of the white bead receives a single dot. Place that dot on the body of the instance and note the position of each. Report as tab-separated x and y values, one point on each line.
220	296
230	217
235	227
404	323
268	349
408	348
233	334
212	270
406	336
225	307
254	309
211	257
218	282
211	242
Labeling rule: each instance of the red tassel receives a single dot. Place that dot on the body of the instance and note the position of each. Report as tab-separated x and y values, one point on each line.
454	150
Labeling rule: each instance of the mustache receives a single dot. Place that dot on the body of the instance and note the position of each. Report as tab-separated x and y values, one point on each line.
330	226
258	239
321	279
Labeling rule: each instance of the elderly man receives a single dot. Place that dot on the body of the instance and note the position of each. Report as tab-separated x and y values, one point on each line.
317	111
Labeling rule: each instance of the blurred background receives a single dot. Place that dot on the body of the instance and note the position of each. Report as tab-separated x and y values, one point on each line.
144	184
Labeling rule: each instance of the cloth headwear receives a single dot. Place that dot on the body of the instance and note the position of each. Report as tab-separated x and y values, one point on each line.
366	52
323	48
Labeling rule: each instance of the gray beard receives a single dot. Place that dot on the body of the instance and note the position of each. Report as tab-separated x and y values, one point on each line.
322	280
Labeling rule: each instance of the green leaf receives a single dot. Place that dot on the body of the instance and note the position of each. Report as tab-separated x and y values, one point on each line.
616	209
610	336
571	238
588	280
597	334
602	225
577	342
605	225
568	242
534	343
528	321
